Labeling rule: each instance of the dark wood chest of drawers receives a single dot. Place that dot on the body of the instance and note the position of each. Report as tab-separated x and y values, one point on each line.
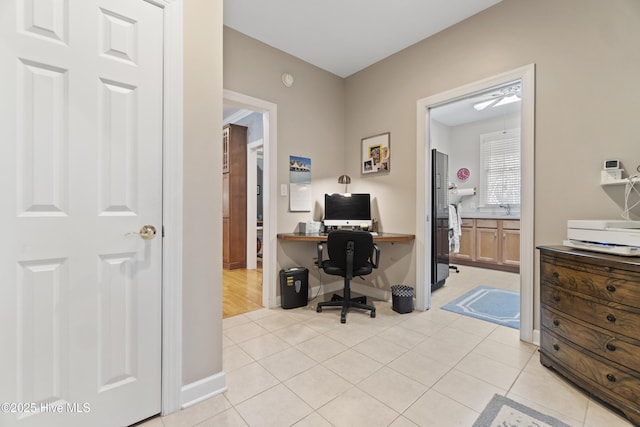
590	323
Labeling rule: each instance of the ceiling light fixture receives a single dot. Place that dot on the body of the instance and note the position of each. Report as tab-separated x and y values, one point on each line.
503	97
507	100
484	104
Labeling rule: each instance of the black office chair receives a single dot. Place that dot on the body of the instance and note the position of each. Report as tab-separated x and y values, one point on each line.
351	253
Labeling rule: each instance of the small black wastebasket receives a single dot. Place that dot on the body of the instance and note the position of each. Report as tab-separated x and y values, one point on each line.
402	298
294	287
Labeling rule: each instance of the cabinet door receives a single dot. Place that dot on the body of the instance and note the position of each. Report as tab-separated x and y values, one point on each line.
511	247
467	244
487	244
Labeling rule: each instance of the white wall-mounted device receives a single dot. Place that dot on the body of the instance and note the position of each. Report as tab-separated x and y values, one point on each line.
611	171
287	79
611	164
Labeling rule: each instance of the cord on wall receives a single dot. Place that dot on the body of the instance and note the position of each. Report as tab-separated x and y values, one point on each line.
319	286
630	187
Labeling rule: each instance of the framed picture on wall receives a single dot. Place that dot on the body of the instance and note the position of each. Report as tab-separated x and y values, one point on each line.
376	154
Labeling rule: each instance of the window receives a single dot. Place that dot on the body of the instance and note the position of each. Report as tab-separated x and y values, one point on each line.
500	168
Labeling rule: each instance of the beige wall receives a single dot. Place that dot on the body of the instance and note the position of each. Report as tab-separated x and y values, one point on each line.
310	124
202	257
587	101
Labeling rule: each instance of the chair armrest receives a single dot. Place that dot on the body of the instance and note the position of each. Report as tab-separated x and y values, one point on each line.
320	250
375	256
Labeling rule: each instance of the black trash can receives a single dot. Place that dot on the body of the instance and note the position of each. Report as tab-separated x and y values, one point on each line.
294	287
402	298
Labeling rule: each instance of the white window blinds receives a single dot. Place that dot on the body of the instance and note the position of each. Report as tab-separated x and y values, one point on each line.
500	167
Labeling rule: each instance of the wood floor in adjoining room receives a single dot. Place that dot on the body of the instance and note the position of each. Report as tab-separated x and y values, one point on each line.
241	291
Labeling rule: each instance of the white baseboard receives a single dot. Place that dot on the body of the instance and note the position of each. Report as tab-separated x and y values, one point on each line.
369	291
361	289
328	289
536	337
203	389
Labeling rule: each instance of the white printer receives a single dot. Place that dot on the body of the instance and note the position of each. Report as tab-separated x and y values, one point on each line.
617	237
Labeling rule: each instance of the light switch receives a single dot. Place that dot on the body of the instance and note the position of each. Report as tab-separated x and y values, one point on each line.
284	191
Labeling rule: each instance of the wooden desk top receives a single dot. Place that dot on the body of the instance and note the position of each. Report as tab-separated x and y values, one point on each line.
322	237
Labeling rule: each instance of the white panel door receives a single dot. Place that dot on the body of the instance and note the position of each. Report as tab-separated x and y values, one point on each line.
80	174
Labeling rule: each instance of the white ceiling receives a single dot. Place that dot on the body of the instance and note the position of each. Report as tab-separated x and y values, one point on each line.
345	36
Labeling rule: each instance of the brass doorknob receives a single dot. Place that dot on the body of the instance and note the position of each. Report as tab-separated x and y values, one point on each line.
147	232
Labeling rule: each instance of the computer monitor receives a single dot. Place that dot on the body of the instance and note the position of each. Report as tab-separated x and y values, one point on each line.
347	209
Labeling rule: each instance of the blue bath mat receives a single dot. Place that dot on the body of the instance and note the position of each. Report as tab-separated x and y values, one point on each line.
491	304
501	411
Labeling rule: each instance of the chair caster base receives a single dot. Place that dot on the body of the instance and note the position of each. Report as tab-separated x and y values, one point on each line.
339	301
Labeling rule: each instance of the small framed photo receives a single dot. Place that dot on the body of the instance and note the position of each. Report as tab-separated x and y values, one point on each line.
376	154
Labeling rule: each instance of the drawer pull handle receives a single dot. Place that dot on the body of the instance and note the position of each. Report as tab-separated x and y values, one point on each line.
611	378
556	298
556	322
555	275
611	347
611	318
556	347
611	288
608	269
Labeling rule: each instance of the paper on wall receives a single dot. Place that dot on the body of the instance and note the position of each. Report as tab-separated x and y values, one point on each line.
300	197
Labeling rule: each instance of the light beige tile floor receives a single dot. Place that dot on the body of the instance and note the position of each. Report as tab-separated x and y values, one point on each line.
434	368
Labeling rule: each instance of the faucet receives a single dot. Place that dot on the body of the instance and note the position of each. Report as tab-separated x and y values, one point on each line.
507	208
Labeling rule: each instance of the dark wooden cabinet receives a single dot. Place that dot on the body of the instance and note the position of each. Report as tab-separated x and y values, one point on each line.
234	197
590	323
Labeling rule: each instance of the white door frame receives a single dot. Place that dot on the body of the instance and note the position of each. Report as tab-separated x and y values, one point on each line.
172	178
253	149
423	175
269	112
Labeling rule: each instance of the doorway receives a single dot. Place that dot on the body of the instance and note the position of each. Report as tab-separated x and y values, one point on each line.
252	288
424	144
242	211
